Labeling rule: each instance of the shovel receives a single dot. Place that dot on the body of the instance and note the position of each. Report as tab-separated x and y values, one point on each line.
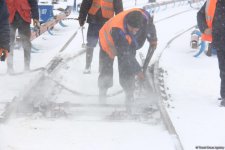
82	31
145	83
83	44
147	59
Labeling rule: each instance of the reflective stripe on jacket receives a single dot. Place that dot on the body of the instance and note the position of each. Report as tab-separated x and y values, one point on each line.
106	8
20	6
209	15
105	37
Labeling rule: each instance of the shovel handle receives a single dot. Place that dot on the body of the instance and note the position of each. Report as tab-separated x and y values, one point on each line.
147	59
82	31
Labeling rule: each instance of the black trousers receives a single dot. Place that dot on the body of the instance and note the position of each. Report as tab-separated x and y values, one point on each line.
221	60
93	34
24	33
92	40
105	80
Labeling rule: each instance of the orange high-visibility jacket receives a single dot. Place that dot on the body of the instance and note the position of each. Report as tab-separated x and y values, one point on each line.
209	15
105	36
106	8
22	7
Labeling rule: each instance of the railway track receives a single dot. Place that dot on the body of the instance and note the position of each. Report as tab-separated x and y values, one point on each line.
34	100
7	108
160	89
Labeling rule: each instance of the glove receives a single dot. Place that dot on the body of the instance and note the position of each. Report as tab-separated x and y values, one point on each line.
61	9
36	23
3	54
153	43
140	76
81	21
208	31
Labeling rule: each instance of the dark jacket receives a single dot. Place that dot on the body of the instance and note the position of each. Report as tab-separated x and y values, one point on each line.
97	19
218	25
125	52
34	9
4	26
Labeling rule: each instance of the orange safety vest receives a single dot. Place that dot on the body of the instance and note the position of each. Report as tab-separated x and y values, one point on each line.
106	8
209	15
22	7
105	36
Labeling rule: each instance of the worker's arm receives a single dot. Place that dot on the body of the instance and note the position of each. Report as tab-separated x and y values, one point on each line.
125	53
202	25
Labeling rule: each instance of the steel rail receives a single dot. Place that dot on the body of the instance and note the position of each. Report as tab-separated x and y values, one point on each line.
10	107
163	95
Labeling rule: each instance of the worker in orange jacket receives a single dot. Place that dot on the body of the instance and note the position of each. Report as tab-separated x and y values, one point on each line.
121	36
20	14
211	22
98	12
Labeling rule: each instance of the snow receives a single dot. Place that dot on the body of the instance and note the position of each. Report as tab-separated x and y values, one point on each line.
192	84
195	107
69	134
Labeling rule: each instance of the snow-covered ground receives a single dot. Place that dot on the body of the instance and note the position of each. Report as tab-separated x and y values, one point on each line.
194	86
192	83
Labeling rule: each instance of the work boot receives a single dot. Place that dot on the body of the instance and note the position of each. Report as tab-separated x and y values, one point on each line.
26	67
87	70
89	56
10	70
102	95
129	99
220	98
209	52
128	102
222	103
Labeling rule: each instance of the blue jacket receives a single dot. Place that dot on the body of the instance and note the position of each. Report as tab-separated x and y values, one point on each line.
4	26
